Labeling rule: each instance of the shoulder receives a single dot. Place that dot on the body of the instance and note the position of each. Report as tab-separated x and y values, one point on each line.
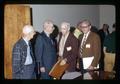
93	34
40	36
72	36
100	30
80	36
17	45
20	43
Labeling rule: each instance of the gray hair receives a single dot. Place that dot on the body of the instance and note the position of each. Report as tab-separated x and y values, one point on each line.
66	24
47	23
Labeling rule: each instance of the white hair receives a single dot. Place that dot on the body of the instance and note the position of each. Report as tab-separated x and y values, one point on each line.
47	23
27	29
66	24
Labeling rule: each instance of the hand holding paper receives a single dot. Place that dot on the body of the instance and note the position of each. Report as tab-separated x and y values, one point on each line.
63	62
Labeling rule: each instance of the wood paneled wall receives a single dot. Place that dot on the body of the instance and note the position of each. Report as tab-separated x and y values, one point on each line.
15	17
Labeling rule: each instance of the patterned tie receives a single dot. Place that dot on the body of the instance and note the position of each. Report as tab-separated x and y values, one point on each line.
82	45
81	50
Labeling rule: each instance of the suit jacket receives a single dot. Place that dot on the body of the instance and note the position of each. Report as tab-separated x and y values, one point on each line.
45	52
102	36
92	47
19	55
71	55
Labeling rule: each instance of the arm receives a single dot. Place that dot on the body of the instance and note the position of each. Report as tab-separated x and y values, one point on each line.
16	59
74	52
96	51
39	51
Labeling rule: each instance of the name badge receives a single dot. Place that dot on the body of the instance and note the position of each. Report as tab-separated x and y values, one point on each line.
87	45
69	48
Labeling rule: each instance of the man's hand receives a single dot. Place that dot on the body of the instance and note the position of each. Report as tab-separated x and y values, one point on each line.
63	62
42	69
90	68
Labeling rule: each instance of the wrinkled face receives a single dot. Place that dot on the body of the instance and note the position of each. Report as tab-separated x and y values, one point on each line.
30	35
85	27
49	27
64	29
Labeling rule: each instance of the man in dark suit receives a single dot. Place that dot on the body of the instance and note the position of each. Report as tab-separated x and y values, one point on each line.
45	51
22	57
103	33
68	47
90	45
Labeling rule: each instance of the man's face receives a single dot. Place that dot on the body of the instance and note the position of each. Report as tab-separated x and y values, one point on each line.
85	28
31	34
105	26
64	29
49	28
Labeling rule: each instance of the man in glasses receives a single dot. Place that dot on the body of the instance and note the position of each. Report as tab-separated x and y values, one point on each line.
90	47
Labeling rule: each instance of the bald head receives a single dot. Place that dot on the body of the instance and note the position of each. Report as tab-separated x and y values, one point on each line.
28	32
27	29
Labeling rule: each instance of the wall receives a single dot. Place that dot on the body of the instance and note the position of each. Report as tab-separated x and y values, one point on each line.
59	13
107	15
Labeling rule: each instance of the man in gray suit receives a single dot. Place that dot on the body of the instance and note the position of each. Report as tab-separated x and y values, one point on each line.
22	56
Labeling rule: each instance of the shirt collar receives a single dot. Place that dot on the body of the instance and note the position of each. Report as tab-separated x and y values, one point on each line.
47	34
87	34
26	41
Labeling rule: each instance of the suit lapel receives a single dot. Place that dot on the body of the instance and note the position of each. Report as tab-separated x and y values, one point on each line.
67	41
88	39
48	39
24	50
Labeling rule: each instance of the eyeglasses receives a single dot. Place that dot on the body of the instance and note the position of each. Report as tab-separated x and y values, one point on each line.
84	26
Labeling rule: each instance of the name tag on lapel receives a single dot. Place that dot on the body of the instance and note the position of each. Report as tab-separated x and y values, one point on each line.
88	46
69	48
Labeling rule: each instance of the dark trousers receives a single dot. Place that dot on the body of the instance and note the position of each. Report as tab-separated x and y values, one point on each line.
45	75
29	72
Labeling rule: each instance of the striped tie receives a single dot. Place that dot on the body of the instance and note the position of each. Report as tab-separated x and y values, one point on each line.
81	50
82	45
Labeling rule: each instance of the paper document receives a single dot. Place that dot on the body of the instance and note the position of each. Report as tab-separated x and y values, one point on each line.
87	62
87	76
71	75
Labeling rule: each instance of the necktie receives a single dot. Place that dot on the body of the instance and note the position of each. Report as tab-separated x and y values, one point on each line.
82	45
29	55
81	50
51	41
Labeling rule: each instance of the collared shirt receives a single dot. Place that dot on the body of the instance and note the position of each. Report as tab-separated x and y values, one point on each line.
28	57
47	34
62	44
85	36
49	37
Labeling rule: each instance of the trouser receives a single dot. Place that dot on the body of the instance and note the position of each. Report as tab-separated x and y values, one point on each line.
29	72
109	62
